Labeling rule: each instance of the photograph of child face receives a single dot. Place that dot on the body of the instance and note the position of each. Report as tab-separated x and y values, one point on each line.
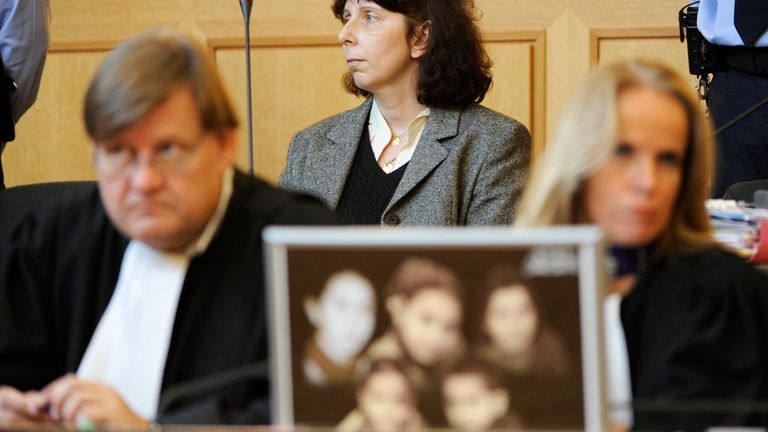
511	319
386	400
428	325
518	340
344	317
474	398
425	308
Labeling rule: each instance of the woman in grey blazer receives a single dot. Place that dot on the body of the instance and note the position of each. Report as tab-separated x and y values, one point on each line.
419	150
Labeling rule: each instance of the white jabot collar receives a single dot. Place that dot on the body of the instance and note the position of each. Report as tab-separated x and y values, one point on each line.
619	385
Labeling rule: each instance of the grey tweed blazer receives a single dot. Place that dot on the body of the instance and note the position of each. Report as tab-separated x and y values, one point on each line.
468	167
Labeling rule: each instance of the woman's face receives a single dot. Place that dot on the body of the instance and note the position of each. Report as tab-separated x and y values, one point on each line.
511	319
429	325
633	195
376	48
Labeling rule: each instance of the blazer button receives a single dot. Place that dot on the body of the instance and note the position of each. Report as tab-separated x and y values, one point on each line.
392	219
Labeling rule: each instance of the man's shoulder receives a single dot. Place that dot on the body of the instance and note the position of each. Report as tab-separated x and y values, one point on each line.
77	200
267	204
58	202
71	223
713	260
708	272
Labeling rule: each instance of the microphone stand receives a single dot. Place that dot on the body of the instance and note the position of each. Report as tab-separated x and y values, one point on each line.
196	387
246	5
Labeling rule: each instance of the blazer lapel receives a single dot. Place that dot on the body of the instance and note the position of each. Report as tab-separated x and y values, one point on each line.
331	164
430	152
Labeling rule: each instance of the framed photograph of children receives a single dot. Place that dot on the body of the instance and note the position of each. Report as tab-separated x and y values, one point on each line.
466	328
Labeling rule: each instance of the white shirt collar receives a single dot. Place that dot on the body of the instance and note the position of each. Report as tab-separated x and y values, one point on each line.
380	134
201	244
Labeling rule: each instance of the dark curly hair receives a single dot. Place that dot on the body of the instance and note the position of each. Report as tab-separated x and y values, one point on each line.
455	71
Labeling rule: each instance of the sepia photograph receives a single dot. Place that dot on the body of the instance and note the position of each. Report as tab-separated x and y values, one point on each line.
469	337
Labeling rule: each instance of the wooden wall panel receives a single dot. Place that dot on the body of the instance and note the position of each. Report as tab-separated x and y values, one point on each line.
512	88
568	34
89	24
667	50
51	142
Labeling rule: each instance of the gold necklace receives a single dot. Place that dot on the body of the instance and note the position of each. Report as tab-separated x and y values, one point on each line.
389	165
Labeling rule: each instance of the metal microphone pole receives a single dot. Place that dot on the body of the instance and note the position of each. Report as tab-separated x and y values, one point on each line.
246	5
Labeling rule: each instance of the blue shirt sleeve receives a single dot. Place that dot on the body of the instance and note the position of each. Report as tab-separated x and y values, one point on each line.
24	39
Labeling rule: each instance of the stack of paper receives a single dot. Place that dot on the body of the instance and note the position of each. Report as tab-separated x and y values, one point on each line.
737	225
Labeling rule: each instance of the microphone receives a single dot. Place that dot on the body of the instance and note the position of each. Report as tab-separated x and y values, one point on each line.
245	6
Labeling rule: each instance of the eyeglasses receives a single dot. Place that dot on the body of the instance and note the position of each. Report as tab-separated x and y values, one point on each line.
119	159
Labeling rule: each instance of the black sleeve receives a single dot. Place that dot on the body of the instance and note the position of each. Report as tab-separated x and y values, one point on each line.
697	337
26	339
275	206
57	273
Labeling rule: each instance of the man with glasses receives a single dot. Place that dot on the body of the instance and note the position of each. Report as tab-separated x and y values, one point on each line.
154	280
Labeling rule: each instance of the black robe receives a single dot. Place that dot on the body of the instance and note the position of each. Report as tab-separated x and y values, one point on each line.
697	339
58	272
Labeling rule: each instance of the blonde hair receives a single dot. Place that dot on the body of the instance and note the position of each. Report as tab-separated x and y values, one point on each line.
142	72
586	137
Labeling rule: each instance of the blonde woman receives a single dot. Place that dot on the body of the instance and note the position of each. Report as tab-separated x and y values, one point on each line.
633	155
